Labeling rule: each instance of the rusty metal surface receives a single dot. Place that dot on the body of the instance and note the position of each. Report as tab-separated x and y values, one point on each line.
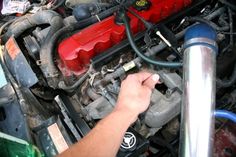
225	141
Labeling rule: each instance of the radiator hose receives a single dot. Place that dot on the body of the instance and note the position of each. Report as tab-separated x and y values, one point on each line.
27	22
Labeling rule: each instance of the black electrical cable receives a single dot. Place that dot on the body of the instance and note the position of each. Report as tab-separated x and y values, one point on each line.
58	4
229	47
147	24
228	33
152	51
227	83
213	25
138	52
231	43
231	6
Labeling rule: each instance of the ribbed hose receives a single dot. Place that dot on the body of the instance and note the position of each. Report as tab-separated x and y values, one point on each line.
27	22
139	53
6	25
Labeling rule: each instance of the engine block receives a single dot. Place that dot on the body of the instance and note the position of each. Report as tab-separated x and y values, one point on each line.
76	51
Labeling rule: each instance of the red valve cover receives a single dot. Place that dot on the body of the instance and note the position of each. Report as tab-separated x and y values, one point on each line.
76	51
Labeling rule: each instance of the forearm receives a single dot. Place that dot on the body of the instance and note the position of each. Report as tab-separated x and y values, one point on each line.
105	139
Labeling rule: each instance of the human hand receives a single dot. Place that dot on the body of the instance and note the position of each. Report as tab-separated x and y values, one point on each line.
135	93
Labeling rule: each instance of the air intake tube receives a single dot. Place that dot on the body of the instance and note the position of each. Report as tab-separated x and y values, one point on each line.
197	121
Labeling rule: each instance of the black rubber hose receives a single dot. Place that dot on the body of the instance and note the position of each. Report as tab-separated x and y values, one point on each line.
58	4
227	83
231	24
43	2
229	47
152	51
26	22
47	52
6	25
139	53
85	10
75	85
94	19
230	5
213	25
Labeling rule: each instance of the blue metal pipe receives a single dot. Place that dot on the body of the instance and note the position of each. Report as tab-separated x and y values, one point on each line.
225	114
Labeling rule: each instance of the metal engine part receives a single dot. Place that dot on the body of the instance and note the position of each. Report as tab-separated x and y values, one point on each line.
163	107
73	3
66	73
199	91
76	51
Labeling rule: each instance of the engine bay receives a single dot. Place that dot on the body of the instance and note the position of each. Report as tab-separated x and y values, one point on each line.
64	65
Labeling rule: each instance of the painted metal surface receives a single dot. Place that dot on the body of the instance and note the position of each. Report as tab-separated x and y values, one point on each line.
76	51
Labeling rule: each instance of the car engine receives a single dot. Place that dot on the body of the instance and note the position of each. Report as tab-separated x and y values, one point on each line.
63	63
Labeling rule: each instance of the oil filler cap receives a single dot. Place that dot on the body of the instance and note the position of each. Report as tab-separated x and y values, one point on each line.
129	141
142	5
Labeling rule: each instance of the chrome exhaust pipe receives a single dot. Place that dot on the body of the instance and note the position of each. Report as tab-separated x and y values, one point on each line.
198	104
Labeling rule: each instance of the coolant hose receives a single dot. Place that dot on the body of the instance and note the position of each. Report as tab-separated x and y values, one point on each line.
130	37
225	114
26	22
